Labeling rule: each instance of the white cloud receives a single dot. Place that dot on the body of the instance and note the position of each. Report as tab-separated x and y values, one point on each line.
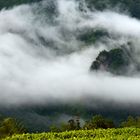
41	61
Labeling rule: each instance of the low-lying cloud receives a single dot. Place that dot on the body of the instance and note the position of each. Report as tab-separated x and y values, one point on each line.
41	59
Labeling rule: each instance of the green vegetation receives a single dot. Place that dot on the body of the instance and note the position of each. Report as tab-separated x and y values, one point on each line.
115	61
131	122
133	6
96	122
99	121
10	126
11	3
91	36
97	127
96	134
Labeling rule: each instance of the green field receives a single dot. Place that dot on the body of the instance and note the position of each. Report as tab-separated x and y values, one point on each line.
97	134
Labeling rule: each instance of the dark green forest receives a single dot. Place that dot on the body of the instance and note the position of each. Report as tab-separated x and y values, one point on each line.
132	6
11	3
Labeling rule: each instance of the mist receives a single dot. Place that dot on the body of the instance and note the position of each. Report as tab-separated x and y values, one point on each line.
43	61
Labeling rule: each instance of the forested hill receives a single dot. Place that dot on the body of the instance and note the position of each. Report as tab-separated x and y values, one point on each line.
11	3
133	6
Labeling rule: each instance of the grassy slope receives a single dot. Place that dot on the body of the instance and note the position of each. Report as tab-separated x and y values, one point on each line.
99	134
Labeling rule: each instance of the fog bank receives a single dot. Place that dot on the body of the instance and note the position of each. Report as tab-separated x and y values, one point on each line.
42	59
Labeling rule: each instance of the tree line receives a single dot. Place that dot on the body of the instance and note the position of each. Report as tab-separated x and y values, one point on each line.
10	126
96	122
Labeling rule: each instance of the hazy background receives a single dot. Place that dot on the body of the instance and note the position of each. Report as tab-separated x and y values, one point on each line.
44	61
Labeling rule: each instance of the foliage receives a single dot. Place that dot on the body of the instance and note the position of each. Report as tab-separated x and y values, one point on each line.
10	126
97	134
131	122
91	36
99	121
133	6
11	3
115	61
72	124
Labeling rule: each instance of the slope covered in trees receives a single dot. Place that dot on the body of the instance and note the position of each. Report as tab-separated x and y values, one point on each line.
11	3
133	6
116	61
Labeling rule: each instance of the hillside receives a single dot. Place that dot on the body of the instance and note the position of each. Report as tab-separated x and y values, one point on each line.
11	3
132	6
